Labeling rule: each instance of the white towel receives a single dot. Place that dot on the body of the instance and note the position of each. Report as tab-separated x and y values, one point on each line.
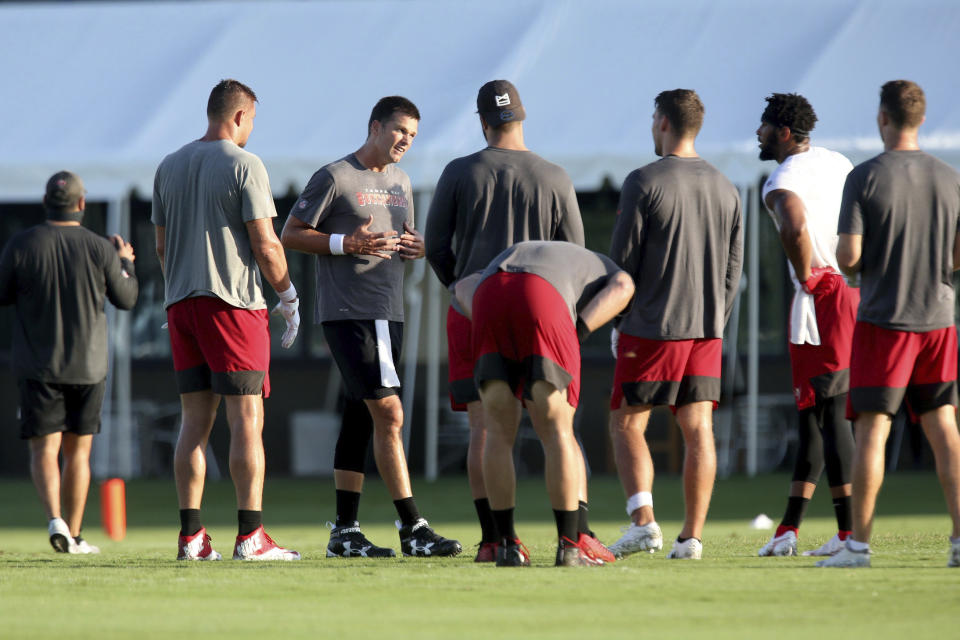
388	368
803	319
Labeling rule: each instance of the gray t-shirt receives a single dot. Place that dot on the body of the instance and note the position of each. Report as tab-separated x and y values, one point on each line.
576	273
59	277
340	197
491	199
906	205
678	233
203	196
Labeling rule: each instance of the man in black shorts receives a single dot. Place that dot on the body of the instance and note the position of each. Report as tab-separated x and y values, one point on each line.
58	275
484	203
356	216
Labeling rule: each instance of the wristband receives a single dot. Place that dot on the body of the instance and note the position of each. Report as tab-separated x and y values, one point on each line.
289	295
336	244
637	500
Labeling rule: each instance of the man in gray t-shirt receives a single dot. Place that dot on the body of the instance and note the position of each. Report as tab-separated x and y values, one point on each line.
356	216
484	203
900	230
531	307
213	212
678	235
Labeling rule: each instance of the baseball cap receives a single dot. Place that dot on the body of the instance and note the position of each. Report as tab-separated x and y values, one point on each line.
499	102
64	190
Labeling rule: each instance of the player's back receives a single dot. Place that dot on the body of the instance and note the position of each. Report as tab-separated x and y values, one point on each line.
906	205
204	194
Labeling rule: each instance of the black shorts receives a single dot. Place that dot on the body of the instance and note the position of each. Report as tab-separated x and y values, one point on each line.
367	353
50	407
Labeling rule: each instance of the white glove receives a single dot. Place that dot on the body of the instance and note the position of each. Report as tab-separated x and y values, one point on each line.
289	308
614	341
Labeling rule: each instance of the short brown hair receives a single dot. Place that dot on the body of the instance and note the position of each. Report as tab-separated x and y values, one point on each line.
386	107
227	97
683	109
904	102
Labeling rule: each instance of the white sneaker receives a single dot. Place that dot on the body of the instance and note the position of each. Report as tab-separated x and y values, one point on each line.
847	558
60	538
691	549
82	546
831	547
782	545
953	560
635	538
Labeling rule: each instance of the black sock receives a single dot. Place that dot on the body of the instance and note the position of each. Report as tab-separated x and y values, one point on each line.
348	506
189	521
796	508
583	519
488	528
682	540
248	521
504	523
566	525
841	507
407	510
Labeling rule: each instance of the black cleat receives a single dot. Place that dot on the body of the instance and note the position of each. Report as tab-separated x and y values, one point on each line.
420	540
512	553
349	542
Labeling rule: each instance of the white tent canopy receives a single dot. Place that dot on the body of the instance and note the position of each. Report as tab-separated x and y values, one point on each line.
107	89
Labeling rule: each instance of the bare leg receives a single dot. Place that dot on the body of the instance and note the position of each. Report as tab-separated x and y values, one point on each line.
940	426
628	427
871	431
478	437
75	482
801	489
387	416
699	465
45	471
348	480
502	419
198	411
245	417
552	419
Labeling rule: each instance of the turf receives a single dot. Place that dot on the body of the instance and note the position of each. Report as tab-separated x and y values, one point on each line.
135	588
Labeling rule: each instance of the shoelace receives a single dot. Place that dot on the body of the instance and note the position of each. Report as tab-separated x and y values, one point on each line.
523	549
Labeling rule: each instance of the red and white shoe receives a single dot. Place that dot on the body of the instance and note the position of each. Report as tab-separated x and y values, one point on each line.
196	547
595	549
257	545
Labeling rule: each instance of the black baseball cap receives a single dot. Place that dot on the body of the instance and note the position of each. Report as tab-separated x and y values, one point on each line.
64	190
499	102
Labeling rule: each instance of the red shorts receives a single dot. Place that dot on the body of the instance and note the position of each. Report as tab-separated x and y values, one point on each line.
823	371
888	366
460	360
522	332
671	372
219	347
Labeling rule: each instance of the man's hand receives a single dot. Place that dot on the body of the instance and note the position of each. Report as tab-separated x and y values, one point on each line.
289	308
816	275
411	243
124	249
364	242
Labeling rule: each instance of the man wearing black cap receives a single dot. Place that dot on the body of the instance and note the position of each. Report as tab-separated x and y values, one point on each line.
483	204
57	275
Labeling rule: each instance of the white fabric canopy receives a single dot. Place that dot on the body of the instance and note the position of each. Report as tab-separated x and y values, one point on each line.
107	89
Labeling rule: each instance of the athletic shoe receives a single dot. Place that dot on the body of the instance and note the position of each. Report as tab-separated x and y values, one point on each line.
595	549
635	538
829	548
572	554
257	545
418	539
196	547
60	538
953	560
82	546
486	552
846	557
783	545
512	553
349	542
689	549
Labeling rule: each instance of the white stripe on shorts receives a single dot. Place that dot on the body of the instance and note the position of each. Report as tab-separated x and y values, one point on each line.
388	371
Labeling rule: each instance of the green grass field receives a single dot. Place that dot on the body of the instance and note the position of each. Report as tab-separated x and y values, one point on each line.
135	588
